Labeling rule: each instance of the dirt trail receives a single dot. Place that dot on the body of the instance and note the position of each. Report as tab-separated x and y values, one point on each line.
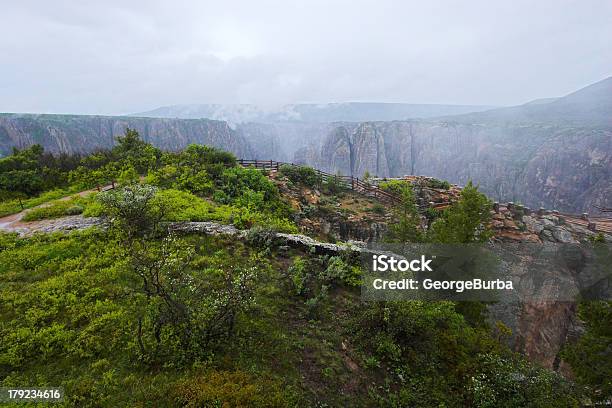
13	222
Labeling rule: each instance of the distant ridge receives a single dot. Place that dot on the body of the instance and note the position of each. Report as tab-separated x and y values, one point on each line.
327	112
590	106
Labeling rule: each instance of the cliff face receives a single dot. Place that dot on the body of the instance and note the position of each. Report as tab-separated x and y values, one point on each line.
569	169
82	134
280	140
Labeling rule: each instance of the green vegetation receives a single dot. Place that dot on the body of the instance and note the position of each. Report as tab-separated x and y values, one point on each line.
440	360
30	171
465	221
435	183
59	208
12	205
407	227
199	183
590	357
133	314
301	174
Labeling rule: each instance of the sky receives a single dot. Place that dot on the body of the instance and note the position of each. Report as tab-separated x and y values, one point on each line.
117	57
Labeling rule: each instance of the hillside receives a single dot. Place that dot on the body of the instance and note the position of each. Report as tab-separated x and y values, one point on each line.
590	107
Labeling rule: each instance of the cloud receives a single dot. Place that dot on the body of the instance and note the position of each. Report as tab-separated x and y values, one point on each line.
119	57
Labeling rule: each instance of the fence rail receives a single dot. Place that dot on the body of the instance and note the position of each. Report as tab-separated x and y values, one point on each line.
603	224
348	182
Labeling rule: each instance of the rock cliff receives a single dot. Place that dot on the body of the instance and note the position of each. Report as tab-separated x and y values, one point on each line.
81	134
569	169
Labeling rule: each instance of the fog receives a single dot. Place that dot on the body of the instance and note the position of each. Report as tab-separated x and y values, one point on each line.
116	57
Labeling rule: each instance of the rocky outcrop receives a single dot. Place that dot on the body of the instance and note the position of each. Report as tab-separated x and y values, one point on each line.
63	224
83	134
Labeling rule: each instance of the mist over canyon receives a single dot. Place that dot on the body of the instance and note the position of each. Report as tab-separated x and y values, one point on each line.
555	153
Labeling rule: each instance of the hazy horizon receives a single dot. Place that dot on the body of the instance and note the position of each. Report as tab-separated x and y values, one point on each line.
114	58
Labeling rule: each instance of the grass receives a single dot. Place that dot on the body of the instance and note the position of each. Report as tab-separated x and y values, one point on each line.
9	207
60	208
79	333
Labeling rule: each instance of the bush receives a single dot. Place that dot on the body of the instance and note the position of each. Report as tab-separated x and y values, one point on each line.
508	382
429	347
590	356
236	181
183	206
230	389
339	271
333	185
263	237
181	178
441	184
395	186
378	209
301	174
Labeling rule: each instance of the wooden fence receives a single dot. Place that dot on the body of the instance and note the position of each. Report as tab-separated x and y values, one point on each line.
603	224
347	182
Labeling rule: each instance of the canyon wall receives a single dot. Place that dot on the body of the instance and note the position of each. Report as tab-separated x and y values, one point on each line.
83	134
569	169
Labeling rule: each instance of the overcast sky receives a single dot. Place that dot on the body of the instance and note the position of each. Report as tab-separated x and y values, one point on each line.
112	57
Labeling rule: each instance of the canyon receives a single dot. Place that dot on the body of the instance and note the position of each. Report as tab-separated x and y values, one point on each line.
554	153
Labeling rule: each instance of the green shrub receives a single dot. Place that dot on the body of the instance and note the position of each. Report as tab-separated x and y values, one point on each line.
432	213
509	382
333	185
590	357
181	178
235	181
597	238
299	275
183	206
339	271
301	174
441	184
465	221
231	389
378	209
262	237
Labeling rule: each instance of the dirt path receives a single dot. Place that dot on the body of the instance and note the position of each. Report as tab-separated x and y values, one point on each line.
13	222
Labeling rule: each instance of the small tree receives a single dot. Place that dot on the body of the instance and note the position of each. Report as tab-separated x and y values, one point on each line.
134	151
465	221
406	227
179	310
